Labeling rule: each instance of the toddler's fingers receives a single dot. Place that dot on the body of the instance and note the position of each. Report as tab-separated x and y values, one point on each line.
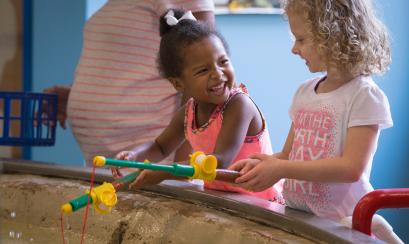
246	168
118	155
237	166
258	156
116	173
121	155
249	185
246	177
239	180
113	171
129	156
249	164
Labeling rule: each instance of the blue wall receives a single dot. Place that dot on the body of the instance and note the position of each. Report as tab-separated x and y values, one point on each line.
260	47
57	40
391	168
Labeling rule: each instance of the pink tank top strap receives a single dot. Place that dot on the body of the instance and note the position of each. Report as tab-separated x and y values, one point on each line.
241	89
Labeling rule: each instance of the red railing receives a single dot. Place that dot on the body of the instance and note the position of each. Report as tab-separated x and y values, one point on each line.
375	200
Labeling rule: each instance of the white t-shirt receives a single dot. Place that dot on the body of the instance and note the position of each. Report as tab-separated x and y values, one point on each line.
118	100
320	126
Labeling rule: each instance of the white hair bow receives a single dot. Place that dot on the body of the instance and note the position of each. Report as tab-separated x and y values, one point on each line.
171	20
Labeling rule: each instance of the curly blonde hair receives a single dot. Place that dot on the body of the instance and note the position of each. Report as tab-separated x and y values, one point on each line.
348	34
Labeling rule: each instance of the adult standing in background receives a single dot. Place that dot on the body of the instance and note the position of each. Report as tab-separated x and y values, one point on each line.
117	92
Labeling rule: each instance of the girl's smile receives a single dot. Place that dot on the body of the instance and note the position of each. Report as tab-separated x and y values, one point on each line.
218	90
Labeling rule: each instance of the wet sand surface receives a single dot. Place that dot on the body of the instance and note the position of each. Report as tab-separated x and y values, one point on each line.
30	213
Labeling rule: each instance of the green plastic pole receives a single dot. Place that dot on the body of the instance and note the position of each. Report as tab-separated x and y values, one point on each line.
127	178
80	202
174	169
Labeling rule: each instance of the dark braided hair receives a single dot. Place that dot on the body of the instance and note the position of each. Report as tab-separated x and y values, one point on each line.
174	39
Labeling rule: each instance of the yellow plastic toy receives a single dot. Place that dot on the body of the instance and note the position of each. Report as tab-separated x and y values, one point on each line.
103	198
204	165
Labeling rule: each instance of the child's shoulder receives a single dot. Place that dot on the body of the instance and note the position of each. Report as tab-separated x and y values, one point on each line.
239	96
364	81
364	85
239	100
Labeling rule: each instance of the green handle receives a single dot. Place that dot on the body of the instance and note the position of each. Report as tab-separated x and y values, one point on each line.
80	202
174	169
127	178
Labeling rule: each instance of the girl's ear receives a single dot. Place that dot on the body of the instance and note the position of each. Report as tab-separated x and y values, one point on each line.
177	84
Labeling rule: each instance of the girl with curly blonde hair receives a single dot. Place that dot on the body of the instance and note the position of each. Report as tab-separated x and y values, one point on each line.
336	118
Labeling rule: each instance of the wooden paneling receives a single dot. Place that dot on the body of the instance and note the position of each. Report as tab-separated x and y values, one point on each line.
11	48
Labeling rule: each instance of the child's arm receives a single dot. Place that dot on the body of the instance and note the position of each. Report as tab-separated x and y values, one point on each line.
240	118
361	141
183	152
170	139
167	142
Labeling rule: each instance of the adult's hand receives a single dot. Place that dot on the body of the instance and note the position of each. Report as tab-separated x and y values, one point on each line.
62	93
